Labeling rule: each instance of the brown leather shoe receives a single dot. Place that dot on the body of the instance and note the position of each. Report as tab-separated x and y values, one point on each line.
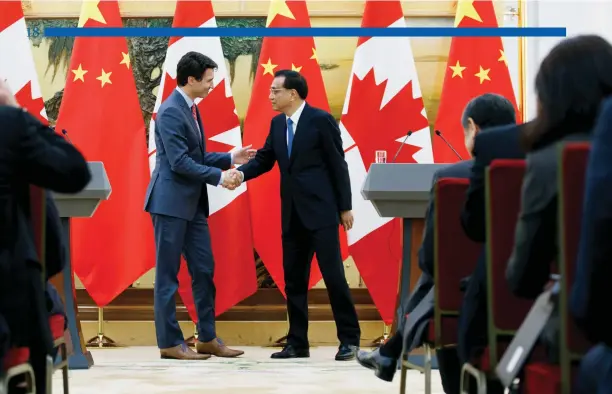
182	352
217	348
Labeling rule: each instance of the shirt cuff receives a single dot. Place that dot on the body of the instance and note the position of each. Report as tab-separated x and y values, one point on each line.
231	159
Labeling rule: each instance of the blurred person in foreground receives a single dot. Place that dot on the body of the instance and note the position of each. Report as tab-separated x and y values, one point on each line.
31	154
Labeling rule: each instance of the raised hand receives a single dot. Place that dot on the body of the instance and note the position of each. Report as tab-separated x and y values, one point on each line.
243	155
231	179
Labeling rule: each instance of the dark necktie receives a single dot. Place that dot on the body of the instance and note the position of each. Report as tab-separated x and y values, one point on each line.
289	135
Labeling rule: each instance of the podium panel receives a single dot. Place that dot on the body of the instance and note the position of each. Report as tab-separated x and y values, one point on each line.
80	205
402	190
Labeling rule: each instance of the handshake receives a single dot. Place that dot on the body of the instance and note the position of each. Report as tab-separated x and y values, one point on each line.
231	179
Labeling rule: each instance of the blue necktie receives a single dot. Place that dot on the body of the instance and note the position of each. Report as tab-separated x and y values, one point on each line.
289	135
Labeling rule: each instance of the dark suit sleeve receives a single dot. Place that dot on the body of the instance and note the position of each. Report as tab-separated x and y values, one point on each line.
47	159
334	155
473	214
426	251
262	162
169	126
534	250
218	160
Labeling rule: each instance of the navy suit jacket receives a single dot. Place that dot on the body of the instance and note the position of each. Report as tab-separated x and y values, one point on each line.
590	293
182	166
315	179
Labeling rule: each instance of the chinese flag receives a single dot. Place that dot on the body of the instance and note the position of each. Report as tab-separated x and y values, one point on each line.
279	53
235	277
102	115
476	65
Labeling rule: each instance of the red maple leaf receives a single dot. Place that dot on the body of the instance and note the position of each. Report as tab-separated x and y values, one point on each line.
32	105
374	128
218	116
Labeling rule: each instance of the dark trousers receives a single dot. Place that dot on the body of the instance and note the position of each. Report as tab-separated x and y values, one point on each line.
299	245
175	237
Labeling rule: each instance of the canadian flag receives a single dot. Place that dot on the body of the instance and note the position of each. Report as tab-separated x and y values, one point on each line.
383	103
19	71
235	277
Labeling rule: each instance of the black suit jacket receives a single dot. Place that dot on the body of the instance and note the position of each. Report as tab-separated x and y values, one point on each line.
30	154
315	179
535	240
490	144
496	143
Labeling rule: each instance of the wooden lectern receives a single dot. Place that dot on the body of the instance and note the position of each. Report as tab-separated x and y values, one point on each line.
402	190
81	205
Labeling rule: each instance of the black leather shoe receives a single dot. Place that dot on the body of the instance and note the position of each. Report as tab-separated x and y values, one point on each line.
384	367
291	352
346	352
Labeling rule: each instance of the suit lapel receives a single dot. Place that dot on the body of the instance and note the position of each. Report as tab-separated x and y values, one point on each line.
300	132
200	133
194	127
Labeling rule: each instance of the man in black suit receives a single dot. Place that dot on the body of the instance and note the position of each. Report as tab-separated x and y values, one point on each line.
315	199
488	110
30	154
497	143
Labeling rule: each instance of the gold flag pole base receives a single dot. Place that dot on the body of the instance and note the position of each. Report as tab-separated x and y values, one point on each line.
101	341
282	341
192	340
378	342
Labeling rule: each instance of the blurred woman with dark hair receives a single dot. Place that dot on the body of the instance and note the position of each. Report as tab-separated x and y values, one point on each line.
571	85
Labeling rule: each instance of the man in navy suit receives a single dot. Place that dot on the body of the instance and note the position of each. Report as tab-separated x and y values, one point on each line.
315	199
177	200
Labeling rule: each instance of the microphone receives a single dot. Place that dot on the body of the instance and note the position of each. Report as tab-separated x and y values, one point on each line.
65	133
401	146
439	134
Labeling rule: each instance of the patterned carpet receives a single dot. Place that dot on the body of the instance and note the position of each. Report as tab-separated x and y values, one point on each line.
140	370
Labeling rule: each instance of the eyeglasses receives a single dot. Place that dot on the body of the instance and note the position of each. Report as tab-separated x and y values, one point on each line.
276	91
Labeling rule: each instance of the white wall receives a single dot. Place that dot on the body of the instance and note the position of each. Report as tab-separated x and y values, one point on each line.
578	17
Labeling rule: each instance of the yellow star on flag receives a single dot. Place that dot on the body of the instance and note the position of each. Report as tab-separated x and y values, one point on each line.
502	57
269	67
90	10
483	74
465	8
104	78
278	7
314	55
295	68
126	59
79	73
457	70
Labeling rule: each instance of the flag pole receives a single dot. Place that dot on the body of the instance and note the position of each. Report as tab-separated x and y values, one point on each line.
192	340
522	61
102	341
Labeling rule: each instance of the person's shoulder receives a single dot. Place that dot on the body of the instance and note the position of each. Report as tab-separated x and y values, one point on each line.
461	169
9	113
504	131
316	112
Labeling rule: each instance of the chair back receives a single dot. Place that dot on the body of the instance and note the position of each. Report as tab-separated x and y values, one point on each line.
573	164
455	256
506	312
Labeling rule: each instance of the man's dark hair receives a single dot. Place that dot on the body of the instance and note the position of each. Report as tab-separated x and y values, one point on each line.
294	80
573	80
193	64
489	110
